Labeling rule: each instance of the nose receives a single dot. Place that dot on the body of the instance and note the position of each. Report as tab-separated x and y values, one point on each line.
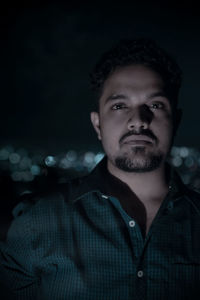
139	119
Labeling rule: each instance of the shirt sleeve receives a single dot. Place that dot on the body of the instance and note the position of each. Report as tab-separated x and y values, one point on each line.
18	276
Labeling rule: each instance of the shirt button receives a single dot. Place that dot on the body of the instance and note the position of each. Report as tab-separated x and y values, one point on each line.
140	273
131	223
170	205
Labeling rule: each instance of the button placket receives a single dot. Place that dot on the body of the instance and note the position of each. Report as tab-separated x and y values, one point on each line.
136	238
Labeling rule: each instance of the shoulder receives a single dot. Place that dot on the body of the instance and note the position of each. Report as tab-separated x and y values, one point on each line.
41	216
54	198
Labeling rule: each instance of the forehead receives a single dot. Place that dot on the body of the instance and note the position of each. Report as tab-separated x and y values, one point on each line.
133	78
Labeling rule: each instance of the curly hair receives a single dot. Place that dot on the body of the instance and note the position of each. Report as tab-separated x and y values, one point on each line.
138	51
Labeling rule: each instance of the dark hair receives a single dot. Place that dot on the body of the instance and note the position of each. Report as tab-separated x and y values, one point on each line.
138	51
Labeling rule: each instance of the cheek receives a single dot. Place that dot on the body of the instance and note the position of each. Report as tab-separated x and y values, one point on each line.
107	124
114	121
164	131
110	133
163	125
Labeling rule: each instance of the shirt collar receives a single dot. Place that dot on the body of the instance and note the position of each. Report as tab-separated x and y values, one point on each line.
96	181
92	182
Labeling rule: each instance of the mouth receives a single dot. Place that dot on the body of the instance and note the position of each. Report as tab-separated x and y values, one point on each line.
137	140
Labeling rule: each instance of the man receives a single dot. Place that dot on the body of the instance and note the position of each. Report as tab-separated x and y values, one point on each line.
129	230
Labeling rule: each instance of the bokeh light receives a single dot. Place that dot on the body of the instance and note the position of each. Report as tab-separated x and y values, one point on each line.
25	167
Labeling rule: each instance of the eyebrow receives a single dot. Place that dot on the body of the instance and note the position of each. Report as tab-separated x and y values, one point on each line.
116	97
157	94
124	97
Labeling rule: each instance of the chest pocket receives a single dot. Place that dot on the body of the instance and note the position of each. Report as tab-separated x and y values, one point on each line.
185	277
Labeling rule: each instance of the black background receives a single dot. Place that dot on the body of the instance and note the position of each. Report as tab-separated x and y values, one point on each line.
49	47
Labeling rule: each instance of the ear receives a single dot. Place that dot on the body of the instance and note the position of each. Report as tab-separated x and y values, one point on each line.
94	116
177	119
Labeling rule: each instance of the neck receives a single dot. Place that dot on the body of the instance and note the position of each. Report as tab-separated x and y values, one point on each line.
147	185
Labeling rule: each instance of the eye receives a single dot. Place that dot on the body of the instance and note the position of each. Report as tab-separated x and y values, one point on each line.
157	105
118	106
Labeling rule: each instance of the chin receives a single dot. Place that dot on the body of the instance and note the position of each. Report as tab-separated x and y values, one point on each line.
139	163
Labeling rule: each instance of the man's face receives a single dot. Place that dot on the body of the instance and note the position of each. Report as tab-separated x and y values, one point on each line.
134	122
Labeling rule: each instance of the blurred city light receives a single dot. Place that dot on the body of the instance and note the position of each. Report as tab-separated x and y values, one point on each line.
88	159
25	163
98	157
177	161
25	167
184	152
4	154
35	170
50	161
14	158
71	155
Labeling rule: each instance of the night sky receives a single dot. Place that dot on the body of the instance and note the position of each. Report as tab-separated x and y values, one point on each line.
49	47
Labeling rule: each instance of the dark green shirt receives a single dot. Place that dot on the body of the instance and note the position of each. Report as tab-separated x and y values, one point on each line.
79	243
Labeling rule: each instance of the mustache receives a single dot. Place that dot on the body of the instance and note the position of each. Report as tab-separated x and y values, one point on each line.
144	132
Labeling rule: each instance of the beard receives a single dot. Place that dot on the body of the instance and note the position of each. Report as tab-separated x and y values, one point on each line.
139	160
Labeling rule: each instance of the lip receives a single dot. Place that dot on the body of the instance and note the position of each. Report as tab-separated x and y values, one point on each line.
136	140
138	143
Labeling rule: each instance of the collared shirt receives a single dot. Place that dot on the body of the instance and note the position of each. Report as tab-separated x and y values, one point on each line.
79	243
113	186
